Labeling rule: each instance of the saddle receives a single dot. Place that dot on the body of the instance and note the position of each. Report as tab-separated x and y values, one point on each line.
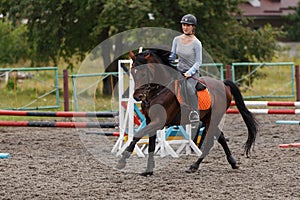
204	99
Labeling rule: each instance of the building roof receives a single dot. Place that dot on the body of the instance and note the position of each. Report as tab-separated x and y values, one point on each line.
268	8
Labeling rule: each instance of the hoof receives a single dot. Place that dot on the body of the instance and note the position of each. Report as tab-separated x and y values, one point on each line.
232	162
191	170
234	166
120	165
146	174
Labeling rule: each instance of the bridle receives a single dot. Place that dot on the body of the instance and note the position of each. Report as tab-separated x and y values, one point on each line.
147	91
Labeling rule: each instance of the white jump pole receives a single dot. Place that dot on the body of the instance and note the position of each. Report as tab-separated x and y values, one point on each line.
126	115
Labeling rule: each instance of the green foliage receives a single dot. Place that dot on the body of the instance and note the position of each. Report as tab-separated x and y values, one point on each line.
293	28
13	44
216	26
70	28
121	15
56	29
226	39
256	46
61	29
11	84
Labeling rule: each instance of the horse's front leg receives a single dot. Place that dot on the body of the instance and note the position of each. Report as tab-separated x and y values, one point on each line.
157	116
150	163
126	154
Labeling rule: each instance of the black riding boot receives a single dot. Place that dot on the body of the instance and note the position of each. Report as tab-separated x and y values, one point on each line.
194	117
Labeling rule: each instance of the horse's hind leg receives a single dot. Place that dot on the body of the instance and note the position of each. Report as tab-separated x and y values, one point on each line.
208	144
150	163
230	158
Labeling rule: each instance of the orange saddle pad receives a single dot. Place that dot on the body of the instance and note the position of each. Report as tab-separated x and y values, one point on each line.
204	100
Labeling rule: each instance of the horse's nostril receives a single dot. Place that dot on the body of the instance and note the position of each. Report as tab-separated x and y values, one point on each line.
139	98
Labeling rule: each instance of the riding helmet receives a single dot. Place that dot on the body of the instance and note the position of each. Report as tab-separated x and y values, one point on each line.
189	19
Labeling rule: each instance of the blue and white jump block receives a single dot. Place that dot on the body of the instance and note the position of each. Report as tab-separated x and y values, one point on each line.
173	135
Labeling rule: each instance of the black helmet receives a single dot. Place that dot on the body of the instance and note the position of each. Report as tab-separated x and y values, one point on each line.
189	19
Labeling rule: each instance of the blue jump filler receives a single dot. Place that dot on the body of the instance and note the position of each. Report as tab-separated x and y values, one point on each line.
4	155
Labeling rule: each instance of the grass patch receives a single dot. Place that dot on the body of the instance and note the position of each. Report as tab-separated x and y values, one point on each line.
274	81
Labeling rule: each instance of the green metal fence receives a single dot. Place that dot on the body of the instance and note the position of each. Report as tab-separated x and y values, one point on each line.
276	80
34	103
79	89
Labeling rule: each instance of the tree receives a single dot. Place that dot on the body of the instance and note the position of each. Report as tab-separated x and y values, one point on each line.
293	28
13	44
67	28
121	15
56	29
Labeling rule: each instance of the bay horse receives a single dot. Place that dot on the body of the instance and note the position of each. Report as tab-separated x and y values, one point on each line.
155	80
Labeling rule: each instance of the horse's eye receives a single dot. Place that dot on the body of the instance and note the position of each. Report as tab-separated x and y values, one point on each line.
134	70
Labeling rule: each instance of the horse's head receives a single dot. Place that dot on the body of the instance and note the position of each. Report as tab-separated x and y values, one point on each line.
149	70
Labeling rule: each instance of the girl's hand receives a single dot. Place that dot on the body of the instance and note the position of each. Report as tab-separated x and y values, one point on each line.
186	75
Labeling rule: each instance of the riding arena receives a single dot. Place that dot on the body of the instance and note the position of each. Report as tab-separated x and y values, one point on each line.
74	155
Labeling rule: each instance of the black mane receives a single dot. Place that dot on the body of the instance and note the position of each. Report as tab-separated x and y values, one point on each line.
163	55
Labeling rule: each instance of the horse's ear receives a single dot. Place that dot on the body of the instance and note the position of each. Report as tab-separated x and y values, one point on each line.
147	56
132	56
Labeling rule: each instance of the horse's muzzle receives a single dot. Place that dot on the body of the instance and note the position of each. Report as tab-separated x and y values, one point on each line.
137	96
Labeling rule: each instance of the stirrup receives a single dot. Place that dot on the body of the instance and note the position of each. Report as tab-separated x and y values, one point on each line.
194	116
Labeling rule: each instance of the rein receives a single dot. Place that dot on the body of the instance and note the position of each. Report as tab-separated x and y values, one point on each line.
152	88
197	79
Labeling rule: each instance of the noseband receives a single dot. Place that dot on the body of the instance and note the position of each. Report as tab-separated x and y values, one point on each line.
146	93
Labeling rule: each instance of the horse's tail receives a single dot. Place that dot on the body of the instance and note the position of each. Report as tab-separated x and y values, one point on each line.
248	118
